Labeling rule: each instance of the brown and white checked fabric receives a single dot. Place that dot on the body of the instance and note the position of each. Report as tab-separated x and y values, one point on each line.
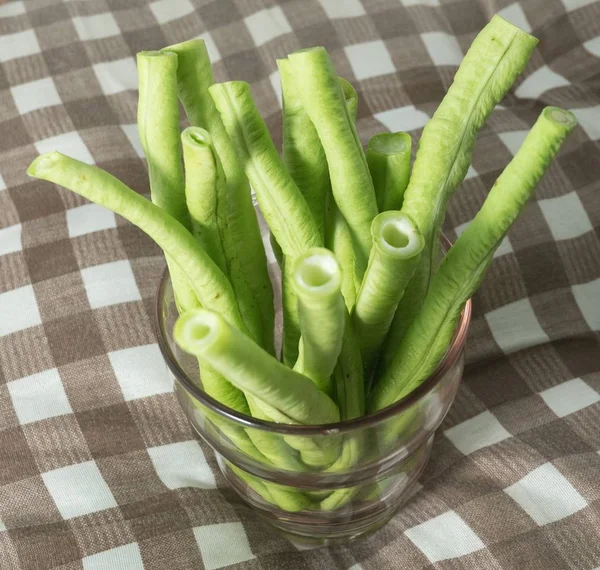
98	467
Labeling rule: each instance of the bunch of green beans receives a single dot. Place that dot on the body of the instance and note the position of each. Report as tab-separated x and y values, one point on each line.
367	314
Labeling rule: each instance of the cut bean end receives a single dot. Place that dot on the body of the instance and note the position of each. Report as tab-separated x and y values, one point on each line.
196	330
390	143
397	235
317	271
196	136
560	116
43	163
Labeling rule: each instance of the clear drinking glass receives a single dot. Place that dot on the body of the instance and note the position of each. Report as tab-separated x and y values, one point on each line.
381	456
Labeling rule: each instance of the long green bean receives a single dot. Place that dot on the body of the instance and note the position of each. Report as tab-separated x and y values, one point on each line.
287	499
242	241
303	154
281	202
324	101
397	245
204	188
351	97
463	269
337	234
497	56
210	285
292	397
317	282
158	125
388	157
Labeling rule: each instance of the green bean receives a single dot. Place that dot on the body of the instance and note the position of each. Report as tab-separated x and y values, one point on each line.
397	245
291	318
282	204
158	124
388	157
463	269
291	397
324	101
272	445
219	388
274	392
497	56
287	499
210	285
351	97
303	154
242	241
280	200
317	282
337	234
276	250
204	189
339	241
348	375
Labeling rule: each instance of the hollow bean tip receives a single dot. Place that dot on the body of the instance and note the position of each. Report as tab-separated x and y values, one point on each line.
159	54
397	234
313	49
189	45
390	143
317	272
43	163
196	136
561	117
194	330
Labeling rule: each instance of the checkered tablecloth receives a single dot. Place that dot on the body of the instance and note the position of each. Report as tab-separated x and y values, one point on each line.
98	466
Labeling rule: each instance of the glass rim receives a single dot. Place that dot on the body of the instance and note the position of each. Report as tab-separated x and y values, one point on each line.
401	405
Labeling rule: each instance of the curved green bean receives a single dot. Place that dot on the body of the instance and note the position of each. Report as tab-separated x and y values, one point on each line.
464	267
397	245
291	397
497	56
242	242
388	157
204	188
210	285
317	282
324	101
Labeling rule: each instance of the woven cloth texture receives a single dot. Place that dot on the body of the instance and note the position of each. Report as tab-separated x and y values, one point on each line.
99	468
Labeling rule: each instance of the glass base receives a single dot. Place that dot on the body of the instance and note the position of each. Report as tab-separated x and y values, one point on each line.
357	519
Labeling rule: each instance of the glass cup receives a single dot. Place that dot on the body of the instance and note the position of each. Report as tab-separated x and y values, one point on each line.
275	469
